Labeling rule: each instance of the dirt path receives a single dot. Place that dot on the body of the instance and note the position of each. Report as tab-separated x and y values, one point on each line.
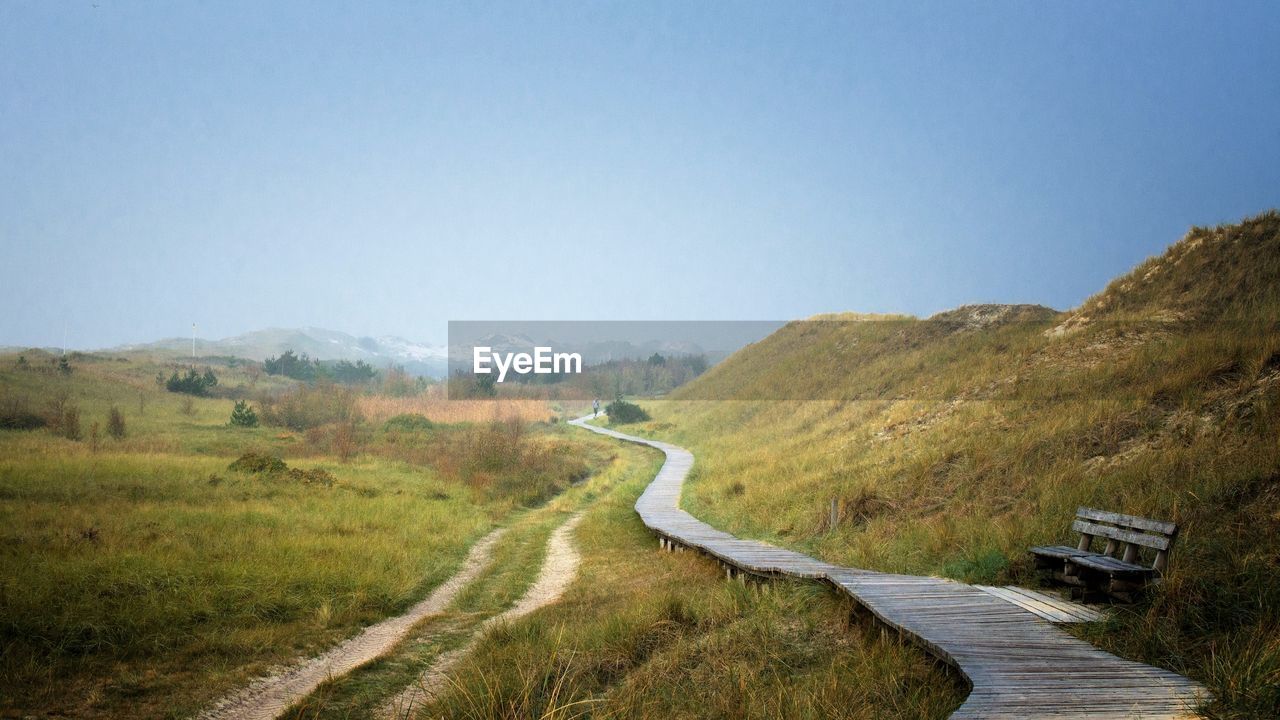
557	573
267	697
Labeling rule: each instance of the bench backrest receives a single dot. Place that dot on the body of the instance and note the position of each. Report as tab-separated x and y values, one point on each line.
1127	532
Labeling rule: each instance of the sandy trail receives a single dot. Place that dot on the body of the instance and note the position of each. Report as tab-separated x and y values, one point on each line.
557	573
266	698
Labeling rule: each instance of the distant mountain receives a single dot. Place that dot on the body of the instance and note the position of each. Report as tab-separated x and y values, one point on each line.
321	344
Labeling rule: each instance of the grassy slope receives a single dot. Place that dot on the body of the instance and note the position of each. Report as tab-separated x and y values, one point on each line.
951	450
142	578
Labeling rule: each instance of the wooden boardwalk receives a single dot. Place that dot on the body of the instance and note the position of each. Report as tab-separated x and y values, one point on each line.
1018	664
1053	609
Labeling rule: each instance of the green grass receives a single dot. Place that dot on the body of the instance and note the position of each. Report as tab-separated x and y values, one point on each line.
126	575
141	577
516	561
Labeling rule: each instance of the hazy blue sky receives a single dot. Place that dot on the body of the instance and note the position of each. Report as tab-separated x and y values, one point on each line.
382	168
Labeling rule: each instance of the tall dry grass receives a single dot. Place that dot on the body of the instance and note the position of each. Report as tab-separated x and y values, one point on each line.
433	405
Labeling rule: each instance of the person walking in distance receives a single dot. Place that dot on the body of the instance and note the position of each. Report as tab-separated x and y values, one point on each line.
595	407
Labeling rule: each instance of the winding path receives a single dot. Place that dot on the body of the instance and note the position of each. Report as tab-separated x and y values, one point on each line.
1018	665
558	571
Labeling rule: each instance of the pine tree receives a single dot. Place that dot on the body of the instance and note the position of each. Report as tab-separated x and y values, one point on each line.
243	415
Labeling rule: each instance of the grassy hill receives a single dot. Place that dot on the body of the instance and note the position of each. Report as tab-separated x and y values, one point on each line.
951	444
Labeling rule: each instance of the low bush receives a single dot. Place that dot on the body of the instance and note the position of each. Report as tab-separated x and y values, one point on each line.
258	464
408	422
621	412
314	476
16	414
307	407
255	463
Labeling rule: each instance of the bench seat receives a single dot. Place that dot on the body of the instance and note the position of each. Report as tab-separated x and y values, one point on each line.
1061	552
1108	564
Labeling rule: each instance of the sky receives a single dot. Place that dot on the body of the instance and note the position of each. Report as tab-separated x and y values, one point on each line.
382	168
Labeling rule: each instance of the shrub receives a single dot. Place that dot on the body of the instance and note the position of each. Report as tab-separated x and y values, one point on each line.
243	415
255	463
314	476
193	383
408	422
15	414
307	407
345	440
258	464
70	425
621	412
115	424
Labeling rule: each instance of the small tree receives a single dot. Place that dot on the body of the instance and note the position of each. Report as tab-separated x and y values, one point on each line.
115	423
64	367
243	415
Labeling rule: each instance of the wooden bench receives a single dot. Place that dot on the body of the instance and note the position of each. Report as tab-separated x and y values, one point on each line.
1119	569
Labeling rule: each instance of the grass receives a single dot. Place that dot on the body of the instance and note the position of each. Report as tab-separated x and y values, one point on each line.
950	451
141	577
126	578
648	634
436	407
516	561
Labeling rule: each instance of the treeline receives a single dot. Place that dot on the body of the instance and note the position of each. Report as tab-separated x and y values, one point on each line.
192	383
304	368
657	375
